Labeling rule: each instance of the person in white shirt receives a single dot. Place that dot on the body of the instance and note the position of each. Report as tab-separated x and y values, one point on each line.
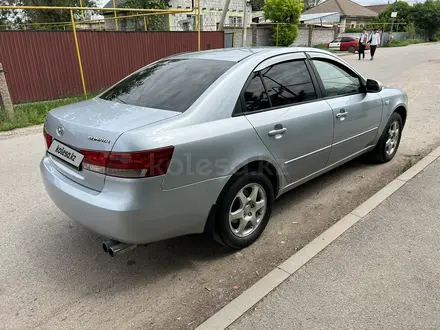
374	42
362	43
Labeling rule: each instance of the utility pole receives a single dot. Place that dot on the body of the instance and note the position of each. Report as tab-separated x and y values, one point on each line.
394	10
244	24
224	12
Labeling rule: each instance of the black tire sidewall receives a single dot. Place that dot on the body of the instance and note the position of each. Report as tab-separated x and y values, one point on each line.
222	214
382	143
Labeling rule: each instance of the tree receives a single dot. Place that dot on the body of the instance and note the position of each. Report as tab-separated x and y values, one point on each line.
287	12
155	22
19	17
384	19
426	17
308	4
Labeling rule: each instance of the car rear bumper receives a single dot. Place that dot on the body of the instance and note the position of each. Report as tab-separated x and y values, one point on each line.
133	211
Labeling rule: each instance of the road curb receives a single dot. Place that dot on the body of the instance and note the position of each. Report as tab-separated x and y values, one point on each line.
240	305
21	131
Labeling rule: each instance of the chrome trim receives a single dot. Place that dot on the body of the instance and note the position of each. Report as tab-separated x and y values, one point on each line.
332	145
355	136
327	167
306	155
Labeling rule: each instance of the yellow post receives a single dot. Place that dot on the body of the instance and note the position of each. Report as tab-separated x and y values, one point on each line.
198	25
82	11
145	23
116	16
75	37
277	34
100	26
235	30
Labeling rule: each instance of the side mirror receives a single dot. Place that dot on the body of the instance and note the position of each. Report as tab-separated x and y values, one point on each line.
373	86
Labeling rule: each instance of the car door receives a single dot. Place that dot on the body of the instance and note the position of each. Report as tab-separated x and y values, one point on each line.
335	44
283	103
346	42
357	114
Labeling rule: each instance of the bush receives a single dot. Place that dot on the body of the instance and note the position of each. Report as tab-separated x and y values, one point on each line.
401	43
353	30
321	46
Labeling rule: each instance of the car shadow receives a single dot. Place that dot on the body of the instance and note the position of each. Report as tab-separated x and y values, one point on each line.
75	255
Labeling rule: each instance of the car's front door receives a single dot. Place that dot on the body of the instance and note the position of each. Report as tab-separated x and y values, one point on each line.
357	114
284	105
335	44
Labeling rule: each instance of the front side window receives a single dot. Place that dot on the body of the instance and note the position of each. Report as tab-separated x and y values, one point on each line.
336	80
337	40
169	84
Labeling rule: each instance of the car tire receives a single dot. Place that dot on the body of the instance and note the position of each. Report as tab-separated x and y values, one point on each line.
244	210
351	49
389	141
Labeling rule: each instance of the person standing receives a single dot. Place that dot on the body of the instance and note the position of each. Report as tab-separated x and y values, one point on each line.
374	42
362	43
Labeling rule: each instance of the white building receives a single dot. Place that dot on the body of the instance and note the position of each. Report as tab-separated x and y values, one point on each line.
210	15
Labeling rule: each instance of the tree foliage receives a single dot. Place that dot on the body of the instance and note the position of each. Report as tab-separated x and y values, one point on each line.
284	11
403	16
426	17
17	17
156	22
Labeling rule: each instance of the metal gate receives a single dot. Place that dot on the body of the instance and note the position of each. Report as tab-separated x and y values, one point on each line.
229	39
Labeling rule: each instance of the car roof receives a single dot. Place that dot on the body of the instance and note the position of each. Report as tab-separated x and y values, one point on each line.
239	54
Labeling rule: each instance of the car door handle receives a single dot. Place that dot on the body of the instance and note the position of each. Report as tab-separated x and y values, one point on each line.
341	114
387	102
277	131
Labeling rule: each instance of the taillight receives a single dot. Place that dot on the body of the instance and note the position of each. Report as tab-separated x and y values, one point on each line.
47	138
129	164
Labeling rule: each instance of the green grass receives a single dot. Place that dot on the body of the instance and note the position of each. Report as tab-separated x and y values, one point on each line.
402	43
321	46
33	113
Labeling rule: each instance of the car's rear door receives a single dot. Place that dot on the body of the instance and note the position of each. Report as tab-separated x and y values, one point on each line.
357	114
346	42
283	103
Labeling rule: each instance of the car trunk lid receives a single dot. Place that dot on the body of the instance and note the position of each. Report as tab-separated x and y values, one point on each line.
95	125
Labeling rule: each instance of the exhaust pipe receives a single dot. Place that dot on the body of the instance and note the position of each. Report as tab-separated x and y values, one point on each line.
107	244
120	248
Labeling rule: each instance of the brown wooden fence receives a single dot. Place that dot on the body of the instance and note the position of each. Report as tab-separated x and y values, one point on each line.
43	65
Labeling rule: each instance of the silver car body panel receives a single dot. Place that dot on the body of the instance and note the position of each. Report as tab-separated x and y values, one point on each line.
211	145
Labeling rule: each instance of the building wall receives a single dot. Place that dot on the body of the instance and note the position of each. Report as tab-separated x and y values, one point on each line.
312	36
257	35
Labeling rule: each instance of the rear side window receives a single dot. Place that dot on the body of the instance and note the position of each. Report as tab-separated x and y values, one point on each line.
255	96
169	84
288	83
347	39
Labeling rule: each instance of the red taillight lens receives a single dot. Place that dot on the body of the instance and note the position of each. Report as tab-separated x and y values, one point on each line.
129	164
47	138
95	161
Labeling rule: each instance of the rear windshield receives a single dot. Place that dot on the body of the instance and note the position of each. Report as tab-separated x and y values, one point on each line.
169	84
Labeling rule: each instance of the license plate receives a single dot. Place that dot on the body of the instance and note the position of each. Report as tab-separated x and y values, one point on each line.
65	153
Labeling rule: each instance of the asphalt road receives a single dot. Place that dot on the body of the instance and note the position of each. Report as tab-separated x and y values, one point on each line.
54	275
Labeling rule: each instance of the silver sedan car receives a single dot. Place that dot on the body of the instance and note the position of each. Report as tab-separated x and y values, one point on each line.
205	142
